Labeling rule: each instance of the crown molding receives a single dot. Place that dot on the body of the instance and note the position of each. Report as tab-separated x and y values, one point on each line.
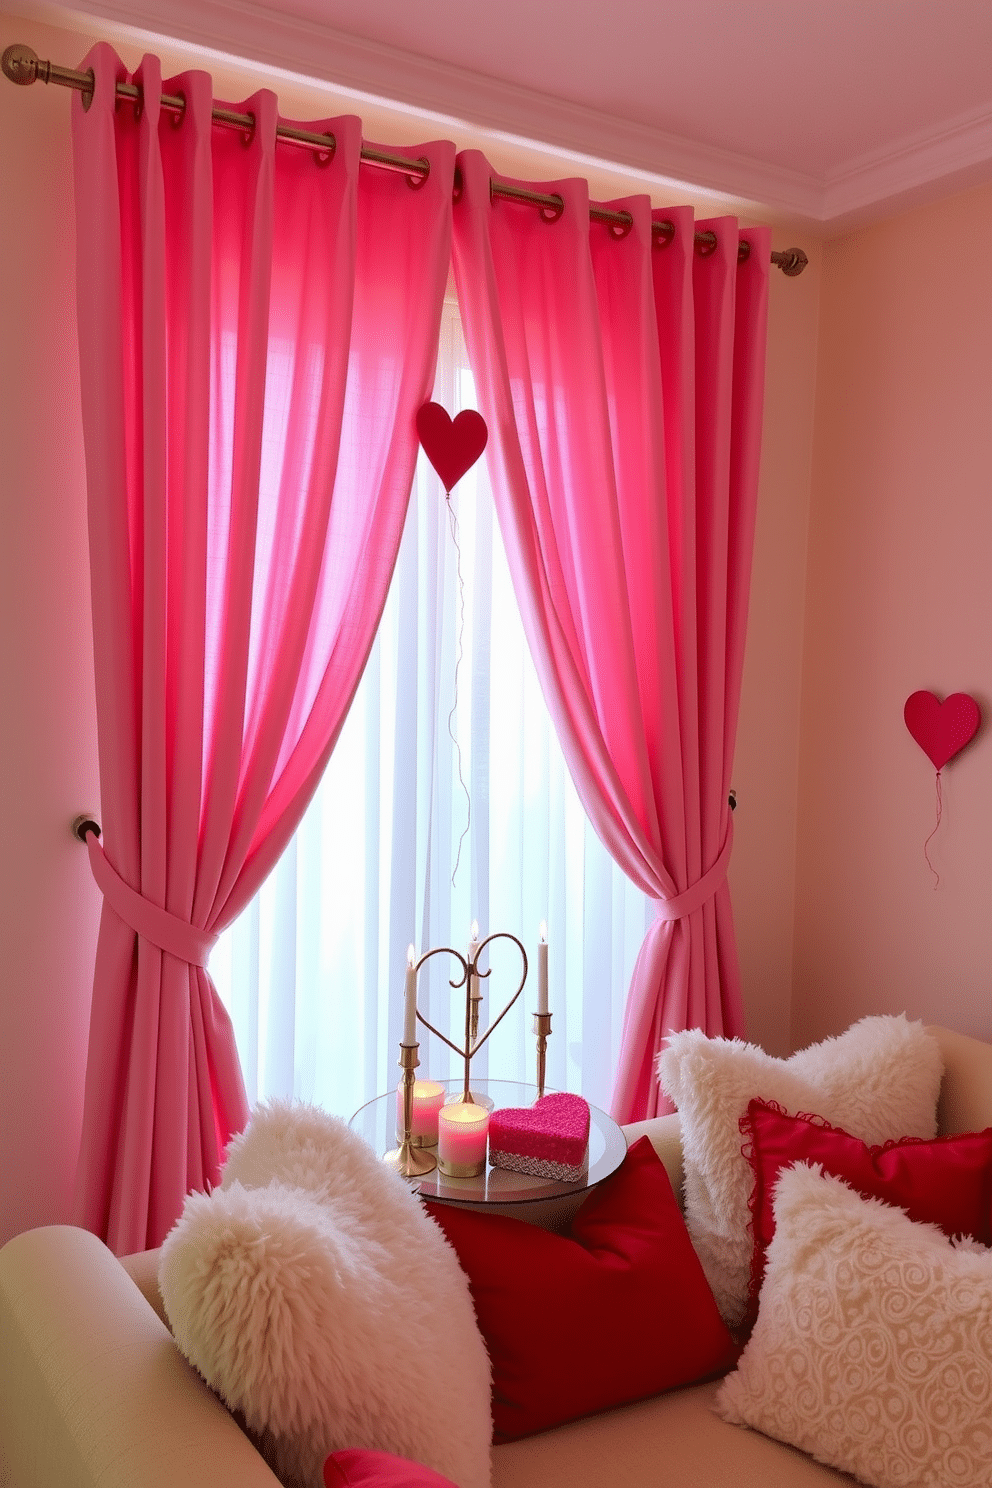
250	32
927	163
245	30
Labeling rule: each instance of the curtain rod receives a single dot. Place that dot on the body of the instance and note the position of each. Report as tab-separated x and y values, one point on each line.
23	66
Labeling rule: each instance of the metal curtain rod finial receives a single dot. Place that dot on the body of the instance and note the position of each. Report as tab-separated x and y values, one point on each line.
20	64
791	261
23	66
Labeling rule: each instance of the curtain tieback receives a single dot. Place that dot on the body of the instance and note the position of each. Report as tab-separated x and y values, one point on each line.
165	930
696	895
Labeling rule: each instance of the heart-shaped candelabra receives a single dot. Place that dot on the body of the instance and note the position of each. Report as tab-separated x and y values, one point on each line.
470	972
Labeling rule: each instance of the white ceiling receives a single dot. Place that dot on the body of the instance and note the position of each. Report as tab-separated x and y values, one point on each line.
828	112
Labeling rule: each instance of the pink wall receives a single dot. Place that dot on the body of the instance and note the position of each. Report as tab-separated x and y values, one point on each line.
48	905
898	598
763	867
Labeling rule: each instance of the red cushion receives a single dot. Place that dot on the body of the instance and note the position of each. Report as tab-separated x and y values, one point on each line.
358	1468
615	1309
946	1182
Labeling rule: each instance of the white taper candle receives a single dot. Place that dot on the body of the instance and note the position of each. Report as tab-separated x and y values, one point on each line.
473	950
410	1008
542	970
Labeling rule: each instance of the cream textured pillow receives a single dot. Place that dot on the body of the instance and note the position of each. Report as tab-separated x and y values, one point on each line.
316	1296
879	1081
873	1345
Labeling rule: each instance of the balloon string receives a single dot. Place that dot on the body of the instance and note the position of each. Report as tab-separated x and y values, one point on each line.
940	808
453	523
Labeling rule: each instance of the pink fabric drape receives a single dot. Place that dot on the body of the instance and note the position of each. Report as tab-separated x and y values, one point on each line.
257	329
623	386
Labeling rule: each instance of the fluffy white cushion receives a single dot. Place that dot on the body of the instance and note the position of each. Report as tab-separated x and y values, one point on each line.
323	1304
873	1345
879	1081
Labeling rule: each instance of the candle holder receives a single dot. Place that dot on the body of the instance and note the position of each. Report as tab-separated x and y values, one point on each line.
469	979
475	998
542	1027
423	1123
407	1160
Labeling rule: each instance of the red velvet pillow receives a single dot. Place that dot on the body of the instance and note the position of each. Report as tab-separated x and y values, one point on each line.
946	1182
613	1310
359	1468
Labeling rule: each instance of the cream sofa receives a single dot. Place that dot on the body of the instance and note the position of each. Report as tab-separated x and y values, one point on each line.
94	1393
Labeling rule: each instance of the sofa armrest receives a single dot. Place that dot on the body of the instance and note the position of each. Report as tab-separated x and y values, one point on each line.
665	1136
142	1267
92	1387
966	1089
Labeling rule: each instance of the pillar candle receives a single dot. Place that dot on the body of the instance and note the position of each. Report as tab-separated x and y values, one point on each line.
542	970
463	1130
428	1098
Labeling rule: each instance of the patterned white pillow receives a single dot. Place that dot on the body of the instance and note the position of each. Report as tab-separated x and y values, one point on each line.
873	1345
321	1301
879	1081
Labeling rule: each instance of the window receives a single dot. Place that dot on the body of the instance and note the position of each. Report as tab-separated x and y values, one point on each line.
446	801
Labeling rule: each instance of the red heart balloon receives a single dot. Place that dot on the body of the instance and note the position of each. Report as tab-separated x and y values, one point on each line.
942	729
452	446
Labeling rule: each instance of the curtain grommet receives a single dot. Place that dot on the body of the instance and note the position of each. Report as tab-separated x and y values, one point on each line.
662	234
416	179
621	229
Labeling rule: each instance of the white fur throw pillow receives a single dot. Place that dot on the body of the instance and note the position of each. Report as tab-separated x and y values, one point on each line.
322	1303
873	1345
879	1081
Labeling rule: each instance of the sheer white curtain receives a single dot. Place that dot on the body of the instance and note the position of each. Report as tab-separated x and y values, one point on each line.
312	972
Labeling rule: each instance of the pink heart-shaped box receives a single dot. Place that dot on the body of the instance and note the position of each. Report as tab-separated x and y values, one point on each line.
942	729
452	446
549	1139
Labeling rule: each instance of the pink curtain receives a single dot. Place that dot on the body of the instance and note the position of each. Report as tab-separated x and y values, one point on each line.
258	326
623	385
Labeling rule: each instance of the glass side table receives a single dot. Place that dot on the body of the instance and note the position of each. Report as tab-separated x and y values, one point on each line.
376	1122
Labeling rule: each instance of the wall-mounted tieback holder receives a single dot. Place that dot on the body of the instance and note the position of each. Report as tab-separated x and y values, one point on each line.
941	729
83	825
